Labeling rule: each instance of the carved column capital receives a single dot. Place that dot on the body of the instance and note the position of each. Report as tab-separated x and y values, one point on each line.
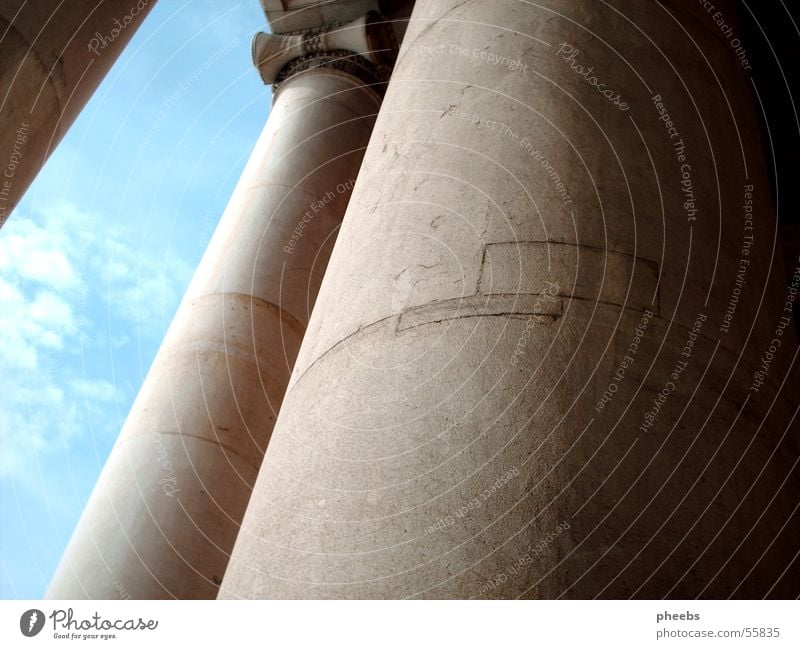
365	48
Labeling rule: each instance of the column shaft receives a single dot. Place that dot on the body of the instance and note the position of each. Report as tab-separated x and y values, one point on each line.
163	517
52	58
522	377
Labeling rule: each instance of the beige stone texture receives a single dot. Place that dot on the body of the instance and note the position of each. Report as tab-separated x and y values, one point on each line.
445	433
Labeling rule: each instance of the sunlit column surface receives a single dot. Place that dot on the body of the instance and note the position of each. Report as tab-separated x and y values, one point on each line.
550	353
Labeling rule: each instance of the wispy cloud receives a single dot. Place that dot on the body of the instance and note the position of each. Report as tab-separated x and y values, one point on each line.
98	390
55	267
137	285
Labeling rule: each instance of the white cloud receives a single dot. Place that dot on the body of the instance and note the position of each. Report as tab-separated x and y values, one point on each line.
33	252
58	269
16	352
141	287
96	390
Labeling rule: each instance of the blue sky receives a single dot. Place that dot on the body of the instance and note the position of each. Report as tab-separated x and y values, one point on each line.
96	257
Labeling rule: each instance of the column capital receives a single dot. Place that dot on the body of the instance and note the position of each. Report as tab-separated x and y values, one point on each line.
365	48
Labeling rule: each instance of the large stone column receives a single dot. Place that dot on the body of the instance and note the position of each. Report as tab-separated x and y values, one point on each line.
53	55
536	364
166	510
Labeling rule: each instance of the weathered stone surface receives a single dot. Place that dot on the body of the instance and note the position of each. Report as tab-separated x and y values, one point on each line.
516	381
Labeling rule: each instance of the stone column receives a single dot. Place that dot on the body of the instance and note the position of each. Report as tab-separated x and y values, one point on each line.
53	56
166	510
536	366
